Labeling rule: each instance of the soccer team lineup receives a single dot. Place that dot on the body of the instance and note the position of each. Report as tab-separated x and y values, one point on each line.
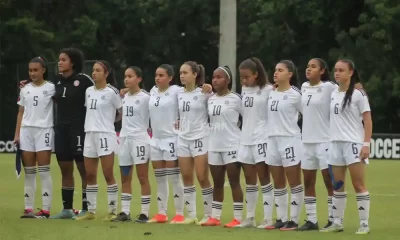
278	135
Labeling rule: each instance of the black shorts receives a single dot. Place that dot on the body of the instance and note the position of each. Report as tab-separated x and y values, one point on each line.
69	140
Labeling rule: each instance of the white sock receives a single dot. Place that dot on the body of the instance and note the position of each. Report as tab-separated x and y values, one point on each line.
296	202
281	204
30	187
330	211
363	204
190	200
207	198
47	186
112	192
145	205
268	201
162	190
339	206
126	199
238	211
216	210
91	194
251	200
311	209
174	175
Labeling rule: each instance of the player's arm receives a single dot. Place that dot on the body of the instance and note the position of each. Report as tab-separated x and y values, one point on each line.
117	103
19	117
365	110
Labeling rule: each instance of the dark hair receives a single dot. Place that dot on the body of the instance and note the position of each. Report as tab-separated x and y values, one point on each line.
107	69
42	63
170	71
255	65
228	74
139	73
323	65
355	78
199	69
76	57
291	68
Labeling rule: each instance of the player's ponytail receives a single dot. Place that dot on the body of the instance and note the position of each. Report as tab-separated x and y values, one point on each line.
294	79
139	74
323	66
355	78
255	65
199	70
170	71
42	63
111	74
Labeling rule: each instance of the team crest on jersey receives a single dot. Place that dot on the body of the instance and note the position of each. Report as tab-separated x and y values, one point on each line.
44	92
103	97
319	90
285	97
76	83
195	98
226	102
166	94
137	102
258	92
304	90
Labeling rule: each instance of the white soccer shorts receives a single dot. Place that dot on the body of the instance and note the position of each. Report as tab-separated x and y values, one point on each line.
192	148
253	154
284	151
34	139
344	153
222	158
163	149
98	144
315	156
133	152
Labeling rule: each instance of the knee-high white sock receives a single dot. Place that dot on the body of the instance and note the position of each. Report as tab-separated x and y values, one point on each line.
145	205
268	201
281	204
363	204
91	193
311	209
216	210
47	186
207	198
339	206
112	192
30	187
251	200
174	175
162	190
126	199
330	210
190	200
296	202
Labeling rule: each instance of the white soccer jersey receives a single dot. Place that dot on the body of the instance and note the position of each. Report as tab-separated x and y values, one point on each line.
135	116
315	101
224	115
38	105
163	107
283	112
193	114
254	117
101	109
346	125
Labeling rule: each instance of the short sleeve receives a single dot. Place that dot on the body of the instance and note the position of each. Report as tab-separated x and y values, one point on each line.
21	100
86	96
297	103
116	100
362	102
52	90
238	104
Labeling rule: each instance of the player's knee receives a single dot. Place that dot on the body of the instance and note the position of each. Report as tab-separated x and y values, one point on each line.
143	180
359	186
203	180
91	176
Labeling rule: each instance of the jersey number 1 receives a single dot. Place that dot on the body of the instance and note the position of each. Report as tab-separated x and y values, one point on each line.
65	89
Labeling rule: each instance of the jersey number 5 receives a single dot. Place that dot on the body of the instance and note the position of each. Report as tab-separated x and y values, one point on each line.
35	101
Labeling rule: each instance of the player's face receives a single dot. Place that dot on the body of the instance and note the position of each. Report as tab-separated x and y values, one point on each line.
314	70
219	79
282	73
186	75
36	71
247	77
162	78
342	72
131	79
64	63
98	73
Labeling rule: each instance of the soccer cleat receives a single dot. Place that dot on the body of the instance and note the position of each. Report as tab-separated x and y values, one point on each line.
364	229
28	213
278	225
64	214
159	218
110	217
42	214
189	221
328	225
177	219
247	223
333	228
79	214
211	222
308	226
289	226
142	218
265	224
88	216
122	217
232	224
204	220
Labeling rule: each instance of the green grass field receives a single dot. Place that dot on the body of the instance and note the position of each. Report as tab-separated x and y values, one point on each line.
382	184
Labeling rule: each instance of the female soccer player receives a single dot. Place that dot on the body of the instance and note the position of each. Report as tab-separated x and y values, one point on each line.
316	97
192	144
134	145
351	130
285	149
253	141
224	108
102	102
35	135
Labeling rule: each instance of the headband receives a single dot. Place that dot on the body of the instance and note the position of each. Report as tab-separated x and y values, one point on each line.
229	76
103	65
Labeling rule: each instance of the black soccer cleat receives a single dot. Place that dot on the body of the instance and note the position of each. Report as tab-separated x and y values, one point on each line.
142	218
122	217
328	225
279	224
28	214
289	226
308	226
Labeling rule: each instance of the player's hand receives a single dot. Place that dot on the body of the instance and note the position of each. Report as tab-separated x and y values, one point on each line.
206	88
16	140
274	86
358	86
123	91
364	154
176	125
22	83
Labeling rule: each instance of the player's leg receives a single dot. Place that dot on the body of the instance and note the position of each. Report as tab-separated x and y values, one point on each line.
323	155
233	168
199	149
141	160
